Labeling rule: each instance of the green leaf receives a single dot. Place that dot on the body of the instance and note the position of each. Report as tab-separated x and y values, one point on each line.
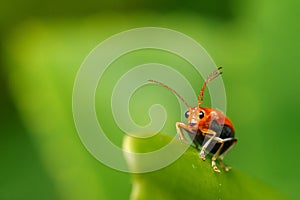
191	178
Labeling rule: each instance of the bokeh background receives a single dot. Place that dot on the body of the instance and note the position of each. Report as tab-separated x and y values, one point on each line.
42	45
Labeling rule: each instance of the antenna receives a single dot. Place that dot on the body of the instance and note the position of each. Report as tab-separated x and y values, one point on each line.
164	85
209	78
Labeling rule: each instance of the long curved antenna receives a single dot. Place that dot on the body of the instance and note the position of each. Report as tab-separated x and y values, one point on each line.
210	77
164	85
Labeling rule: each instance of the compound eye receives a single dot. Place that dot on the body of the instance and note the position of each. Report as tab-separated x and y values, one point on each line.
201	114
187	114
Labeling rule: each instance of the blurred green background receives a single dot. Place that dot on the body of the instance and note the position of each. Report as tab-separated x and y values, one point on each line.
42	45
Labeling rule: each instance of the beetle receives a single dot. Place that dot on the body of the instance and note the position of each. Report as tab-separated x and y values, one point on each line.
207	127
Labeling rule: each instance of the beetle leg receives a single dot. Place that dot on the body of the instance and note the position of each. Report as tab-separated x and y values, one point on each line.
210	133
215	156
212	136
179	127
221	157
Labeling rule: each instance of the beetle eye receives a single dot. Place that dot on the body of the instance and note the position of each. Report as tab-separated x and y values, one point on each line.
187	114
201	114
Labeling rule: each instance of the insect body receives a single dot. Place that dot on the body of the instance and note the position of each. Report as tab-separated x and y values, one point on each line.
207	127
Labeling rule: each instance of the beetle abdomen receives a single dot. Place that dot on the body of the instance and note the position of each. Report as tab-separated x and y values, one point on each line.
226	132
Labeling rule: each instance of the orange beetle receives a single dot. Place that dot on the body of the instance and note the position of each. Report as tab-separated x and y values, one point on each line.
207	127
